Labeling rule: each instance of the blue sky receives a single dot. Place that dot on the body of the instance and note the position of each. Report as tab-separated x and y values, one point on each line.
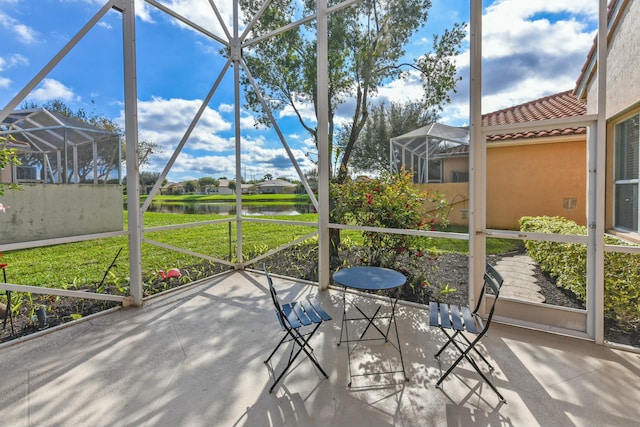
530	49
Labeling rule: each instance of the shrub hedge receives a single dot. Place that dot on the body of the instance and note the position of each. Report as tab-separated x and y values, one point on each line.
567	263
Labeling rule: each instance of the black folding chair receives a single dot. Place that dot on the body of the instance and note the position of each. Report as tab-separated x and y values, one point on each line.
294	317
462	319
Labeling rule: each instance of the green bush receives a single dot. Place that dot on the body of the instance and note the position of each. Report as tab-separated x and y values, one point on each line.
567	262
390	201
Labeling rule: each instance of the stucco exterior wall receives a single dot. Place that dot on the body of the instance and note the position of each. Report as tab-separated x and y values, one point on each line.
457	195
525	179
5	175
623	63
46	211
536	180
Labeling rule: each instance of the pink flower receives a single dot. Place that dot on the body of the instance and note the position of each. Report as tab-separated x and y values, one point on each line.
419	253
4	208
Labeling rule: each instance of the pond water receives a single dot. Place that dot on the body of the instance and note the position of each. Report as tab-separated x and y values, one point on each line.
228	208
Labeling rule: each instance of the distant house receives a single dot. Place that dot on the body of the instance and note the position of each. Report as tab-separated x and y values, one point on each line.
276	186
531	173
622	201
173	188
222	188
249	189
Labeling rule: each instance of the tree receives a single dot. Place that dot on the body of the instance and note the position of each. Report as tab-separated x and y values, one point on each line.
190	186
268	177
366	45
371	153
148	180
232	186
206	183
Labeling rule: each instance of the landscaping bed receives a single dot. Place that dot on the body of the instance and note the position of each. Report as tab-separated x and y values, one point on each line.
443	277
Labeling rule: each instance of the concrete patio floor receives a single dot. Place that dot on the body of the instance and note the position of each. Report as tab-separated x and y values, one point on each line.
195	358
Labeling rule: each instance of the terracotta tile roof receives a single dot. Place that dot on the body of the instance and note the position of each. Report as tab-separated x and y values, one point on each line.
563	104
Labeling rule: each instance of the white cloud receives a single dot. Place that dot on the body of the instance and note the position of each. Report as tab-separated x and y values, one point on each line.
105	25
143	11
14	61
226	108
406	90
530	49
165	121
527	55
188	166
201	13
4	82
21	32
51	89
305	109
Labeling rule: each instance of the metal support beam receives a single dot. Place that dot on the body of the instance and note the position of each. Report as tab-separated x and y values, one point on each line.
236	93
131	136
595	280
323	145
477	159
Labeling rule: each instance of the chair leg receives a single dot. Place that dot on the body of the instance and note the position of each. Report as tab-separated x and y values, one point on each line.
450	340
276	349
302	345
487	380
286	368
464	354
489	365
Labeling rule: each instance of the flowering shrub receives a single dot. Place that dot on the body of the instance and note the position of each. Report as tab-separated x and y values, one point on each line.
388	202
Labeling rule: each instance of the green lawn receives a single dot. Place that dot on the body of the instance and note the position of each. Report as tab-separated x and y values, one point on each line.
78	265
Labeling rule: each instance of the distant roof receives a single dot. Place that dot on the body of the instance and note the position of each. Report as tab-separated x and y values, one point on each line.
563	104
275	183
47	130
433	140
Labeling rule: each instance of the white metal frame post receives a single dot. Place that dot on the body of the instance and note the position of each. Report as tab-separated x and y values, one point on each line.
322	58
596	230
236	56
131	134
477	158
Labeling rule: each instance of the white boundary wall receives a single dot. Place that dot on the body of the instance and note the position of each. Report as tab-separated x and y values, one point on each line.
46	211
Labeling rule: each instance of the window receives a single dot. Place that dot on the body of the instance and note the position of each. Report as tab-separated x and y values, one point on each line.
435	170
627	164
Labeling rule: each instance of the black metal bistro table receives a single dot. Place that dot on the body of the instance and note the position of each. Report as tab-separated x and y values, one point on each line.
370	279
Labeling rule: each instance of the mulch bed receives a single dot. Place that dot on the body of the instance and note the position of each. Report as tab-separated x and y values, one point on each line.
443	278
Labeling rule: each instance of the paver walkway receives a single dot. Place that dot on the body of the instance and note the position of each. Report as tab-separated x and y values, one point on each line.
519	280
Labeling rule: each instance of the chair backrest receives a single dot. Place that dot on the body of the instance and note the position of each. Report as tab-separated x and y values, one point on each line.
272	291
494	273
494	285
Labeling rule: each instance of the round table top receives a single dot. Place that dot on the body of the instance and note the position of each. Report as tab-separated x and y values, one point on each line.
369	278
